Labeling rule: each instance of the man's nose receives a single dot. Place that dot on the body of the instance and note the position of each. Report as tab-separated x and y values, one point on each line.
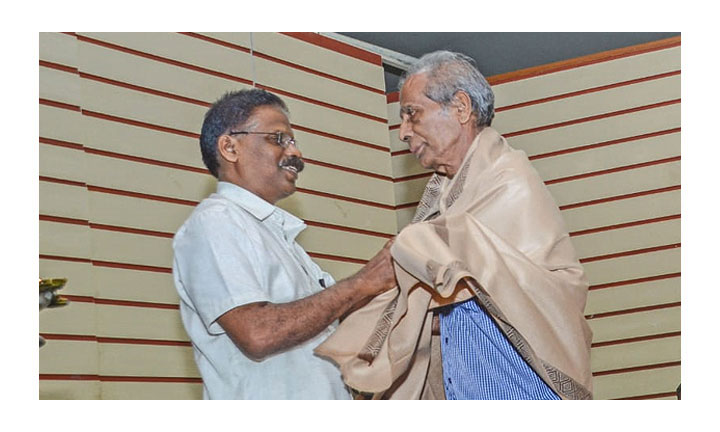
293	150
405	131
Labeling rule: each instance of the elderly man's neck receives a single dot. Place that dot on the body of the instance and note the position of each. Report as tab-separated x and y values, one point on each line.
461	148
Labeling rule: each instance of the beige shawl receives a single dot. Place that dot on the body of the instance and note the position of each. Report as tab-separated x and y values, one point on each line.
492	231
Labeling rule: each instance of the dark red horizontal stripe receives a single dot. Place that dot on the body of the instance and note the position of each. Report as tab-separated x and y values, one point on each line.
635	339
68	337
633	310
592	118
407	205
393	97
80	299
344	198
127	266
140	124
100	189
114	340
143	89
578	62
62	181
346	169
321	103
217	41
60	143
348	229
142	304
337	46
340	138
65	258
636	369
619	197
154	342
65	220
629	253
58	66
603	144
624	225
131	230
162	59
316	72
613	170
107	378
413	177
146	161
56	104
635	281
337	258
651	396
400	152
587	91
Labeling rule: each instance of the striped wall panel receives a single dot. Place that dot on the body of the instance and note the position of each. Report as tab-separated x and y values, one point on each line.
604	133
120	170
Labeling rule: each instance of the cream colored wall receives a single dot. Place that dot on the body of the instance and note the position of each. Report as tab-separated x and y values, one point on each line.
605	136
120	170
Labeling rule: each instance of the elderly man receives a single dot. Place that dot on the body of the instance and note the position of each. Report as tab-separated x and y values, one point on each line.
252	301
490	250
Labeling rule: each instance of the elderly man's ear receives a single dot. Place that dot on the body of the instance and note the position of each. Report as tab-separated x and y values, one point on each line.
227	147
463	106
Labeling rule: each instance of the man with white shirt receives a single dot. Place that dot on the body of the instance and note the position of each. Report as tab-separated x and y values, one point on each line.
252	301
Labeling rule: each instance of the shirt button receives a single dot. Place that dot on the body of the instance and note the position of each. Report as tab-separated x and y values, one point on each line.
446	340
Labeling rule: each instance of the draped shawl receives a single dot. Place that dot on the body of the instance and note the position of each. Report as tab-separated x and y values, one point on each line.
493	231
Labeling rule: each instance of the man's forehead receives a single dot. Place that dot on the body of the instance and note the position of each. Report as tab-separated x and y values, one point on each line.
268	115
413	90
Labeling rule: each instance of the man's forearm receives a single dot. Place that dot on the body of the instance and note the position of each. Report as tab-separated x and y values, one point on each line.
262	329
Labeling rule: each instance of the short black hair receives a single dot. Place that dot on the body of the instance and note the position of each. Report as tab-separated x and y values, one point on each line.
230	111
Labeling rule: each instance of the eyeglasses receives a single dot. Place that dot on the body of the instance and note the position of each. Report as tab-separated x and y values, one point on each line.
282	139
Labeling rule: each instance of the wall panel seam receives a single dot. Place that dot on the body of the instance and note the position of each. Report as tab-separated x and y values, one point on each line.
592	118
624	225
636	368
635	281
613	170
630	253
586	91
635	339
632	310
618	197
604	144
114	340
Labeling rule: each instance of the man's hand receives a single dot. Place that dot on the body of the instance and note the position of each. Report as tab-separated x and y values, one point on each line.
378	275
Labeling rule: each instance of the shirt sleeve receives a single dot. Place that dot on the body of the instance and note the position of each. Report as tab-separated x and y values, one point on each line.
218	267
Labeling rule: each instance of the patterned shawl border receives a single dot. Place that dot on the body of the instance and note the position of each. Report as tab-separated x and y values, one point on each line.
380	333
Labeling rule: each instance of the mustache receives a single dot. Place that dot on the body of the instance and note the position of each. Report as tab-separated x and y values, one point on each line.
293	161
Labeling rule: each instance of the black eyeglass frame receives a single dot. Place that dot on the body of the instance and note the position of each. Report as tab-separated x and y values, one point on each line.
278	137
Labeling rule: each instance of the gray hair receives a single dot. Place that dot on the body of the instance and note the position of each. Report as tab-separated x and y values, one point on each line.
449	72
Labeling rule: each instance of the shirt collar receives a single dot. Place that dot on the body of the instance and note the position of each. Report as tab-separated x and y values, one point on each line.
261	209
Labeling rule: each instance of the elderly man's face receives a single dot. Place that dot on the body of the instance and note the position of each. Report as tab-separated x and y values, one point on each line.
263	164
430	130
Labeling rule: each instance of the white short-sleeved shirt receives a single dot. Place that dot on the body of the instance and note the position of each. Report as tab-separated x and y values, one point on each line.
236	249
